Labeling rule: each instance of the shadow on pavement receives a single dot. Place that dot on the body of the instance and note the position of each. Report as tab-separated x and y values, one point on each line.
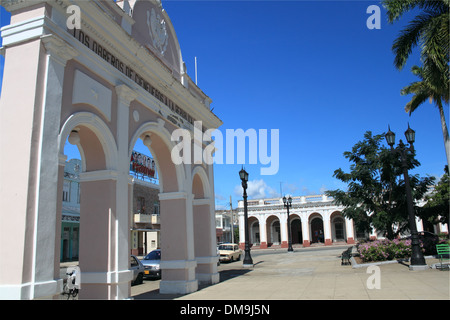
224	275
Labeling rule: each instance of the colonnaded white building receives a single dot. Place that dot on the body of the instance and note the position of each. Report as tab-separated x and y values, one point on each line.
313	219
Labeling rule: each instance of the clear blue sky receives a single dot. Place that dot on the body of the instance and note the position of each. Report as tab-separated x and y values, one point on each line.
311	69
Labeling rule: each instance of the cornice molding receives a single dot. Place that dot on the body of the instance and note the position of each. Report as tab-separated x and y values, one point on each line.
58	48
126	94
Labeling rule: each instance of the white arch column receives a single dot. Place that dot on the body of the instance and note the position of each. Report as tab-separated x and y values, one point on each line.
263	233
29	122
100	231
178	262
241	230
205	252
123	205
350	231
327	229
443	227
283	230
204	224
48	204
419	224
305	230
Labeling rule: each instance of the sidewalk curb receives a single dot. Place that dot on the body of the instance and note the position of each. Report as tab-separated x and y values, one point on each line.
356	265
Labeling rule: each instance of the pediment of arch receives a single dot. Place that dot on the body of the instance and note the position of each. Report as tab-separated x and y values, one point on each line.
154	31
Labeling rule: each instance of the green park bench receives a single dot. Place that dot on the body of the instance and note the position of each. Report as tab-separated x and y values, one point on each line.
346	255
443	252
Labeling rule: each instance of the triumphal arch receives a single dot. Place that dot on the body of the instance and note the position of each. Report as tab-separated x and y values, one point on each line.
100	75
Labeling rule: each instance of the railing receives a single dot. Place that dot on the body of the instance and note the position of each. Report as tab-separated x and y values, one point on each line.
156	219
147	218
279	201
142	218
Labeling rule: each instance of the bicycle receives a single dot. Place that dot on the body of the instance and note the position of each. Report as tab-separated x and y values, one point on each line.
71	287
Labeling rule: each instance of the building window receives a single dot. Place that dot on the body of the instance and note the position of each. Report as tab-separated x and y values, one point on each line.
66	191
339	228
156	208
141	204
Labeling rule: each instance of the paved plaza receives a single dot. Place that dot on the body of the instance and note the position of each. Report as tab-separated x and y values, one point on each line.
313	274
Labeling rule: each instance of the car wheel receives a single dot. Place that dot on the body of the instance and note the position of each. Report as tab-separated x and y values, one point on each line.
139	279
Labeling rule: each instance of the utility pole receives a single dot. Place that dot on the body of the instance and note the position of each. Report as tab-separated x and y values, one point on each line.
232	222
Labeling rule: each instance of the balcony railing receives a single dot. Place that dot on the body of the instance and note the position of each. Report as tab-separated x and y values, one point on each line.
147	218
156	219
142	218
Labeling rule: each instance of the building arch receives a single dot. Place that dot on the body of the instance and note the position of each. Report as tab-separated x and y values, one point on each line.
338	227
296	229
204	228
273	224
200	173
316	228
255	235
102	247
78	85
157	138
94	128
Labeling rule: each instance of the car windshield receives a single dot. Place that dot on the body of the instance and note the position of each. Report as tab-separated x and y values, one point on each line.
154	255
225	247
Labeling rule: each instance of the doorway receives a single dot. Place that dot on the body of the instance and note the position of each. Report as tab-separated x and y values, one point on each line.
317	235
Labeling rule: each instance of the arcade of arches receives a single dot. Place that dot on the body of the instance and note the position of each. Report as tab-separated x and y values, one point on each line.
314	219
120	77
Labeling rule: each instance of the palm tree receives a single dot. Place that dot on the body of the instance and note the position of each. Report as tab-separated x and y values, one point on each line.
429	30
424	91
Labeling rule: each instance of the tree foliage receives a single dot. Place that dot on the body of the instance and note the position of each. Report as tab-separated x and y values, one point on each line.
437	207
429	31
375	195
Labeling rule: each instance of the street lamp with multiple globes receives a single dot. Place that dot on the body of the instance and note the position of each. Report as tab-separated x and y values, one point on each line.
288	204
248	262
417	258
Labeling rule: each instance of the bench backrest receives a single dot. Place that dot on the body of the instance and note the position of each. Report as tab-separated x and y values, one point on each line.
443	248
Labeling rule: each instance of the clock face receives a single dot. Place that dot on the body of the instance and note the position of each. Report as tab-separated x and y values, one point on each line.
158	30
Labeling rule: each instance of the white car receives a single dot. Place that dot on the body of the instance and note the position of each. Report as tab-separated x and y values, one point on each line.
138	270
229	252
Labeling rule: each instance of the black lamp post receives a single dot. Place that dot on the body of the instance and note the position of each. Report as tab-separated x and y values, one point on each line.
248	262
417	259
288	204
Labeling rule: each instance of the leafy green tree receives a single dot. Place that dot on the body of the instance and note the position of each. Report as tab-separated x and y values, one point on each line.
437	207
375	195
429	30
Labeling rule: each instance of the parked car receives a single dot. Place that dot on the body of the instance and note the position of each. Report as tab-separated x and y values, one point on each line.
151	264
138	270
229	252
218	256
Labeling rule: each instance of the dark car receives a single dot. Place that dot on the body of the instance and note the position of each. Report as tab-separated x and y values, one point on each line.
151	264
138	270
